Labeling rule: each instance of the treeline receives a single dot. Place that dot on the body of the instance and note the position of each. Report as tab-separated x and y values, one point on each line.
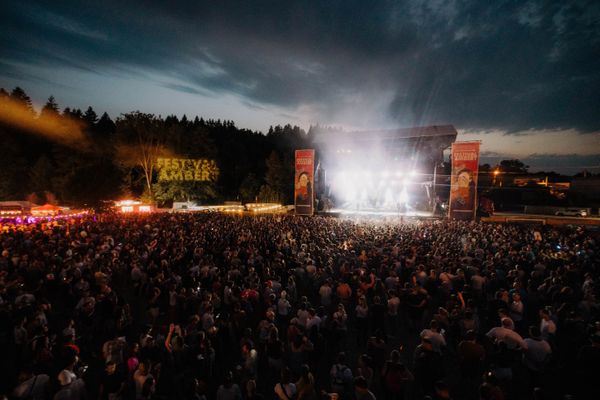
81	158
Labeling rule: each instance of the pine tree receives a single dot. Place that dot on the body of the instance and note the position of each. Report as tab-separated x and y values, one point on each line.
276	177
50	108
105	126
18	95
90	116
40	176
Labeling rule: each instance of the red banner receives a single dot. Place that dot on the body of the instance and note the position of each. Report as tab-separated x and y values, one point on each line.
304	182
463	188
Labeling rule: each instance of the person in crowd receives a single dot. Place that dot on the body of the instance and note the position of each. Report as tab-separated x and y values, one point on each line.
362	389
285	389
306	385
395	377
341	376
507	335
229	390
260	294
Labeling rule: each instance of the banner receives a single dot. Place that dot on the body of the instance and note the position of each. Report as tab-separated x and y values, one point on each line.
463	187
304	182
186	169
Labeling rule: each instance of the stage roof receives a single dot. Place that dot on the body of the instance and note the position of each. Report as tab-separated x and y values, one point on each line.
326	135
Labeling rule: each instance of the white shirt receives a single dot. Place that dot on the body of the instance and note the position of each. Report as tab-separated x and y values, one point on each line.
437	339
510	337
314	321
283	307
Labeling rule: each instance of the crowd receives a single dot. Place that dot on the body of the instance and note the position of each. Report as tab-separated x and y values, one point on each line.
210	306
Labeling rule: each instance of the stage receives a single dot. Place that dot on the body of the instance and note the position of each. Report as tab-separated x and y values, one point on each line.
374	213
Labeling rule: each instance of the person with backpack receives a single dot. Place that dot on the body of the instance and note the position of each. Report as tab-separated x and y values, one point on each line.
341	377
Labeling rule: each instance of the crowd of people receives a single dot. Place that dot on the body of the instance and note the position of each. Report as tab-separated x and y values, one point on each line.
227	307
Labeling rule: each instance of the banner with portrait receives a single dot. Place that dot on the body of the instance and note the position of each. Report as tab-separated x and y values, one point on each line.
304	182
463	185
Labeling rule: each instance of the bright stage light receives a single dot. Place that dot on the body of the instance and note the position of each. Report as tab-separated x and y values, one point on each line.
389	197
363	195
405	182
398	174
385	174
403	196
413	173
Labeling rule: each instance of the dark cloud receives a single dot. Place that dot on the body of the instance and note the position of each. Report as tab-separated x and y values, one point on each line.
183	88
479	65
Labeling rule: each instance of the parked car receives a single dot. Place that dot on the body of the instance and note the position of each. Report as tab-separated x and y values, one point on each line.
572	212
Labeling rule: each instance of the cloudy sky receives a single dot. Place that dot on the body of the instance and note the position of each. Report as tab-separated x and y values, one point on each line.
522	76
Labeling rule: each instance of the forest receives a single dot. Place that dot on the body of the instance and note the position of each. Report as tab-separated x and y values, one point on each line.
83	158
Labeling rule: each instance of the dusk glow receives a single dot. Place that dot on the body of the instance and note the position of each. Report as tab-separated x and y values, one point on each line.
299	200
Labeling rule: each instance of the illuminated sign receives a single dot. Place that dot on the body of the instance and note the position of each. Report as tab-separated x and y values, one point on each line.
186	169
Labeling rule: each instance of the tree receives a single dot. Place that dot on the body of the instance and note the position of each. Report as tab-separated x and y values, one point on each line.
90	116
513	166
50	108
268	195
276	177
141	140
40	176
166	192
105	126
18	95
13	166
249	188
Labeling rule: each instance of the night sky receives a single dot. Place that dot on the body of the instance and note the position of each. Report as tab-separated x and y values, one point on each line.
524	77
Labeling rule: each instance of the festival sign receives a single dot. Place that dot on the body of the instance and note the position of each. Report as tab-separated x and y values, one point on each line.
463	187
304	180
186	169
